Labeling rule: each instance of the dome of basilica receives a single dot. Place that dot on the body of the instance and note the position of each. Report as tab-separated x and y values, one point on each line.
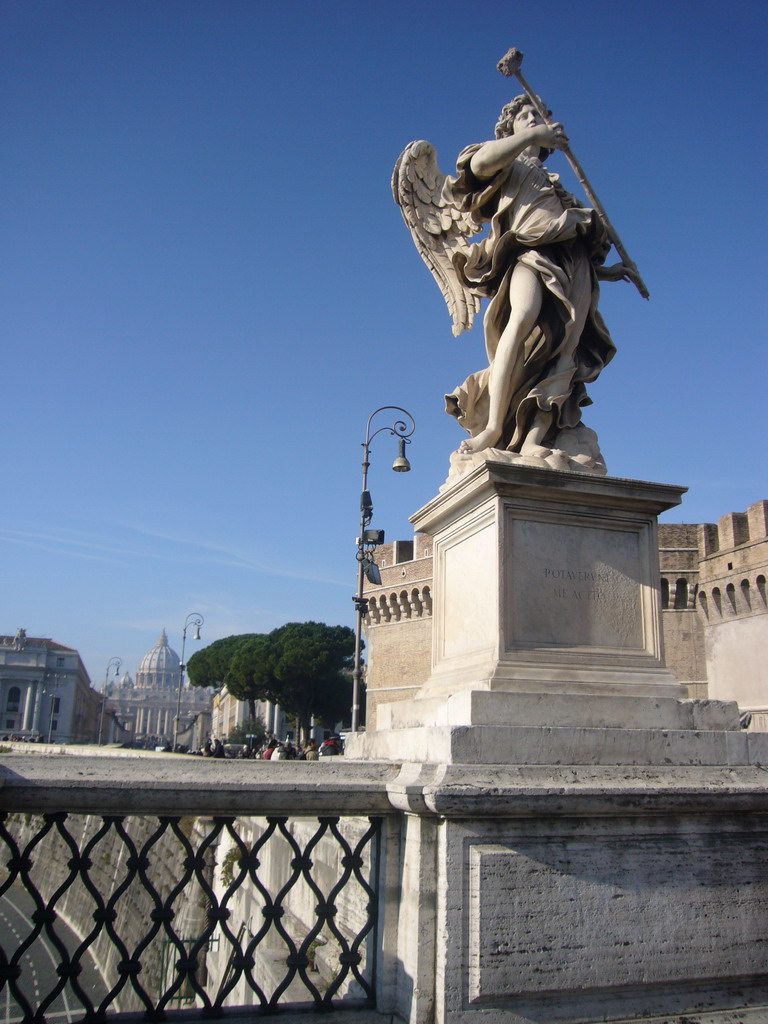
159	668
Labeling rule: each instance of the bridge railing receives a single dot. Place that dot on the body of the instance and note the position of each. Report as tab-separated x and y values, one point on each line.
189	885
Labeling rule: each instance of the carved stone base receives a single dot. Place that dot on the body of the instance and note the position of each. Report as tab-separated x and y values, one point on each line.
547	581
481	727
575	450
547	645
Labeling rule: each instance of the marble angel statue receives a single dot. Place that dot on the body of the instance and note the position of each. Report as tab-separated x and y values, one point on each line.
539	264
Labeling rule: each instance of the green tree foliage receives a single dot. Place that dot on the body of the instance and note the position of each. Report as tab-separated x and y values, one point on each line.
303	666
211	666
246	678
308	670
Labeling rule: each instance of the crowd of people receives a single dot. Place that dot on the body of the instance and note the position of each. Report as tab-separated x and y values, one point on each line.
278	750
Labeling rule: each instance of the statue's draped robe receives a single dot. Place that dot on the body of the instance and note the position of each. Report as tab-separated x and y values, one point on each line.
534	221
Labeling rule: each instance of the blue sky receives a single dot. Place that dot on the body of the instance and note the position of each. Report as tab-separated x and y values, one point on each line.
207	289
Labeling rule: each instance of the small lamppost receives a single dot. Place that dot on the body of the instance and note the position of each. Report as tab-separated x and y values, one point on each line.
117	662
369	539
193	619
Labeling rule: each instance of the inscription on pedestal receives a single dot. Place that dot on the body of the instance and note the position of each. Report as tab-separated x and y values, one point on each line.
575	586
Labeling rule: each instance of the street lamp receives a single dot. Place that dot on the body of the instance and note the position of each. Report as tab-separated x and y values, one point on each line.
193	619
117	662
369	539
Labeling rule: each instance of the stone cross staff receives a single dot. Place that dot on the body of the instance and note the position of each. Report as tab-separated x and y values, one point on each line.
510	65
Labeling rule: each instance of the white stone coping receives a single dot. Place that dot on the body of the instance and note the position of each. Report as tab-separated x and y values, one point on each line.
454	791
338	786
175	784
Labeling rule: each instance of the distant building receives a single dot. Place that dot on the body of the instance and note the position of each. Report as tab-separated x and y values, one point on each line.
713	599
45	692
144	711
229	714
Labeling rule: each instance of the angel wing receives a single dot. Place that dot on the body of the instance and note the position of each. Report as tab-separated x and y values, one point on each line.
438	225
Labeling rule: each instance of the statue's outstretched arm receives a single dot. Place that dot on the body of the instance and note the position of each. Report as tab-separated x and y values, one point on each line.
438	226
499	154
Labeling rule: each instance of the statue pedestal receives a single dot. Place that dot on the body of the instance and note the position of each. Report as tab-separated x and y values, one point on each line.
547	643
579	843
548	582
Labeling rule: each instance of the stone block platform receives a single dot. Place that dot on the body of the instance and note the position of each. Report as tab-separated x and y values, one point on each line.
486	727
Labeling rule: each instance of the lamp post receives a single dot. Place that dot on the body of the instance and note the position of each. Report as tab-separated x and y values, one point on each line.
368	539
117	662
193	619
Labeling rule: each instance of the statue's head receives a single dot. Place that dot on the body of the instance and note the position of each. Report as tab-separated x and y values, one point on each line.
505	126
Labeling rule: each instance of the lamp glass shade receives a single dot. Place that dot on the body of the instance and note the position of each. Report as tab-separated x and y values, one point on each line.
401	464
372	572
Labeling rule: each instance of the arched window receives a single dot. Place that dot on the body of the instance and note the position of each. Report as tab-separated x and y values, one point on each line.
746	596
681	594
664	592
717	599
730	593
14	699
703	603
761	587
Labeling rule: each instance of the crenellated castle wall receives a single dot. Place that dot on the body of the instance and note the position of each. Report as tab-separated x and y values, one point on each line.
399	659
732	606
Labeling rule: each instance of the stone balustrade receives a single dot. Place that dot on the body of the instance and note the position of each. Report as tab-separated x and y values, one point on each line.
189	884
384	892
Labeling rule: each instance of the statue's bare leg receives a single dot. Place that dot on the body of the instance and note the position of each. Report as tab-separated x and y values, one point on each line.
525	296
542	421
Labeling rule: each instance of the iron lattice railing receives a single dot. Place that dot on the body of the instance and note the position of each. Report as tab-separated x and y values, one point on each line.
188	912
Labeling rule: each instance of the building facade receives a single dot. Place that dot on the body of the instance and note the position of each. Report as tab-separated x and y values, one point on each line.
45	692
144	712
229	714
714	615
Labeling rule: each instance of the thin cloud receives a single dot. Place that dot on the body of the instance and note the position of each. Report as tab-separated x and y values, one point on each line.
64	546
230	556
77	544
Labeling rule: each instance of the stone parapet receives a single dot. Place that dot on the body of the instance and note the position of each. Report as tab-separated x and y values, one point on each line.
192	785
571	894
38	784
